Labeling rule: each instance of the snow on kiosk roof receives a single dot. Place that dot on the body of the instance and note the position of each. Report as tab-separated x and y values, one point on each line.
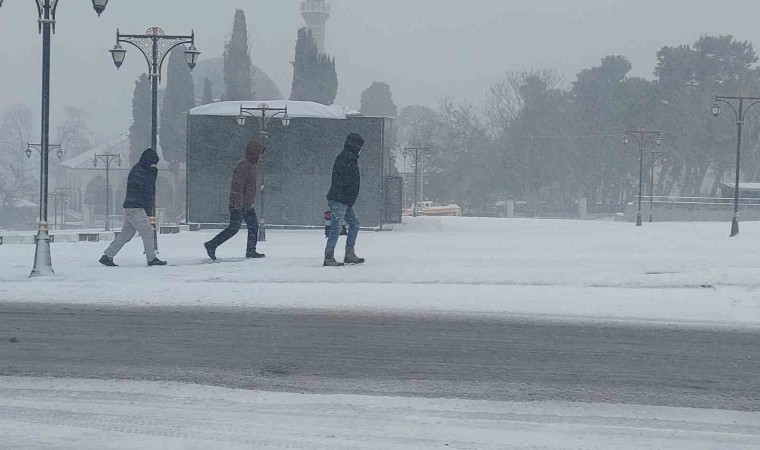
296	109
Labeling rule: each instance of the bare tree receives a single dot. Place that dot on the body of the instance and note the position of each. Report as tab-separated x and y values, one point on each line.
16	174
74	134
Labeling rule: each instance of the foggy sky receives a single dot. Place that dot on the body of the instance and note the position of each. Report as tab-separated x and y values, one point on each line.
422	48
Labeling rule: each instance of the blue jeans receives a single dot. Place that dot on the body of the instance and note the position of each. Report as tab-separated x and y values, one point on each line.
341	213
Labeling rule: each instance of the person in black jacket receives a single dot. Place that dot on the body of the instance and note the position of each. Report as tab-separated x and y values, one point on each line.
138	210
346	181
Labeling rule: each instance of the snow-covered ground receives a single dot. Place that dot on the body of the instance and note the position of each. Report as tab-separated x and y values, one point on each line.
88	414
672	272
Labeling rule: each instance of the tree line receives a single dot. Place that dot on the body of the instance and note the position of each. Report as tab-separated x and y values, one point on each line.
549	143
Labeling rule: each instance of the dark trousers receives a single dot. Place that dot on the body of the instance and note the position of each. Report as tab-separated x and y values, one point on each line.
236	220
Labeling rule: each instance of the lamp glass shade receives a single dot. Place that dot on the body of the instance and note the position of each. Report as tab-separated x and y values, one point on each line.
625	140
98	5
28	152
716	110
95	162
118	54
59	153
658	140
191	56
286	120
240	120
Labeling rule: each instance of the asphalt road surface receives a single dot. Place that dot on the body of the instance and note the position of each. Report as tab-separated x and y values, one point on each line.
376	354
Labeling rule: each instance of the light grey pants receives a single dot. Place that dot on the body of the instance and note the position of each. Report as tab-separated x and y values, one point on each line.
135	221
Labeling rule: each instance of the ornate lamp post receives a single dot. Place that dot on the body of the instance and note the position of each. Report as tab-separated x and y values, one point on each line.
265	114
740	112
642	138
38	147
656	156
416	153
46	9
154	45
107	159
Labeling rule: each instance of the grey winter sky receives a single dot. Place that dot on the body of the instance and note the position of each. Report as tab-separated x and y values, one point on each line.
422	48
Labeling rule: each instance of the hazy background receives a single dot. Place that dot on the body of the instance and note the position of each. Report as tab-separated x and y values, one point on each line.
422	48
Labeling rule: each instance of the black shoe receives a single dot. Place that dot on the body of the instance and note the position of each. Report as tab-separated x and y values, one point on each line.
254	255
156	262
106	261
211	250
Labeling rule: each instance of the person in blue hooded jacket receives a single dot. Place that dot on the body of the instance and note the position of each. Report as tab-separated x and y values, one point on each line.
138	209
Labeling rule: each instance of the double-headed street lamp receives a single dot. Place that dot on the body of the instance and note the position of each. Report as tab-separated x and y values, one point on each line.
265	114
46	9
38	147
107	159
740	112
154	45
656	156
416	153
642	138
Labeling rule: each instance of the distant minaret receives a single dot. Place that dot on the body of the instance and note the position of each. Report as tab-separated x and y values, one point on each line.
316	13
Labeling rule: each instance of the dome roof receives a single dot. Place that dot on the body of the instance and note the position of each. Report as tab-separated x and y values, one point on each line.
211	68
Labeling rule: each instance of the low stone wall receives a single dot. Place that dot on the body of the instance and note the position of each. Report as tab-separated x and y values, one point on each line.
693	212
11	238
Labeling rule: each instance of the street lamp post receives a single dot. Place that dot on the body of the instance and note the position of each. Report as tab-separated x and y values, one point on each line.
740	112
60	195
265	114
107	159
46	9
416	153
405	156
642	138
154	45
655	157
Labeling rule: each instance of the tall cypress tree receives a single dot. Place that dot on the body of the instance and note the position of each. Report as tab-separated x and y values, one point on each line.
304	67
139	131
314	76
179	98
237	62
377	100
208	92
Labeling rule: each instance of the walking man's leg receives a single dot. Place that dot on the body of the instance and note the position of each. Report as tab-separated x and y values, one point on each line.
353	227
127	233
353	233
236	219
338	211
252	221
140	221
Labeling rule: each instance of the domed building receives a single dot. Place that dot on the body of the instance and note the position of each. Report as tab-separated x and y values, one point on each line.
212	69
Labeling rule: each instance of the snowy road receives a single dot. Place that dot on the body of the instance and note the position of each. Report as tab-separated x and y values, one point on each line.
387	354
90	414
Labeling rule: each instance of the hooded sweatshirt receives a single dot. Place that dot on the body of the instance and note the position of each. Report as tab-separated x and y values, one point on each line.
346	179
244	183
141	183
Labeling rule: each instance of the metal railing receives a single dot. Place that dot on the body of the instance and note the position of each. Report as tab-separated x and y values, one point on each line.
706	200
